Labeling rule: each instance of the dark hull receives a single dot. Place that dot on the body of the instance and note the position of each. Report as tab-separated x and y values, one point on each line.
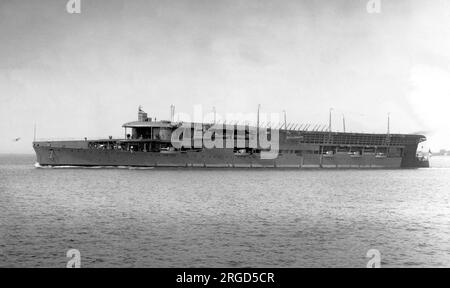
58	156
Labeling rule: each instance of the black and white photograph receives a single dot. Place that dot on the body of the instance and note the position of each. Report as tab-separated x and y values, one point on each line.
224	134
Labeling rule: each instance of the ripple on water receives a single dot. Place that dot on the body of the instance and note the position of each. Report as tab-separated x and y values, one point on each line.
215	218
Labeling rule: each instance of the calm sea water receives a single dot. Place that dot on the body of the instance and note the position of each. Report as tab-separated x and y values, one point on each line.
223	218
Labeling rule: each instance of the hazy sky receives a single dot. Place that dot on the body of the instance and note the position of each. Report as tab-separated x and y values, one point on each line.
85	74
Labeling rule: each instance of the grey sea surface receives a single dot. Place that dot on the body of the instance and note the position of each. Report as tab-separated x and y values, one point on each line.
223	217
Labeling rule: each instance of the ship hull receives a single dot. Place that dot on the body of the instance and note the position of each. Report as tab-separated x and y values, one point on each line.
186	144
207	158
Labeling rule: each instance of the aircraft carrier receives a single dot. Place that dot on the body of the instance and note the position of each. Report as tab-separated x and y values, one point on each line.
150	143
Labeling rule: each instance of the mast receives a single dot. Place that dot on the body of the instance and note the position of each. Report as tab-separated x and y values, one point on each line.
388	136
329	121
343	122
389	123
172	113
257	126
257	118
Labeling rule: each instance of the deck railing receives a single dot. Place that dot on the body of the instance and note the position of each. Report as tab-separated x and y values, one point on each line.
79	139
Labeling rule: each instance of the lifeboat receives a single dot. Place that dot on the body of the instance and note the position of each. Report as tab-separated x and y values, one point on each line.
380	155
167	150
355	154
241	152
328	154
